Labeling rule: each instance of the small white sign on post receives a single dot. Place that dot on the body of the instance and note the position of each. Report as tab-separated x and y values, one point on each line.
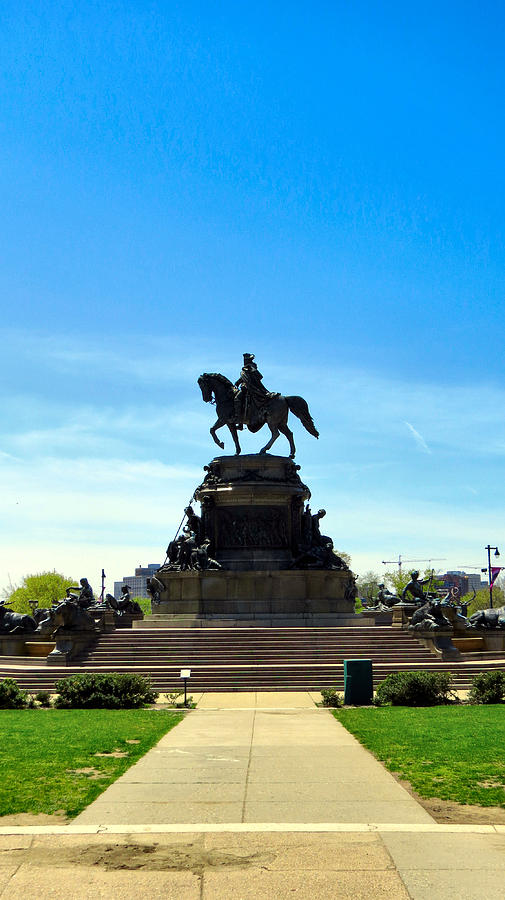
185	674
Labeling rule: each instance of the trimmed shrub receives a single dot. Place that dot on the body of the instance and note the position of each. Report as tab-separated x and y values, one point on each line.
415	689
332	698
43	697
11	695
104	691
488	687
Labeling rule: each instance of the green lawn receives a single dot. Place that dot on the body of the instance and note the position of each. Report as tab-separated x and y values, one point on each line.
452	753
42	751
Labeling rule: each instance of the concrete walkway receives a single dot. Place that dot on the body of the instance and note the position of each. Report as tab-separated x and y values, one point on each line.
255	765
254	803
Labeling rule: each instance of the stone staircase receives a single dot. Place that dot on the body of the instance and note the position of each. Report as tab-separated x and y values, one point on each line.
252	659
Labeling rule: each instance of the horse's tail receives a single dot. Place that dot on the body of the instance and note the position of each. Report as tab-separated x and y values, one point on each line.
300	409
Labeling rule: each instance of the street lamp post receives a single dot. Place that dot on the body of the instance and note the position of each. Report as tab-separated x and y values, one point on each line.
496	553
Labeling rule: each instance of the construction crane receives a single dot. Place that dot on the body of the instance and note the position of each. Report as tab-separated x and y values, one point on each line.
399	562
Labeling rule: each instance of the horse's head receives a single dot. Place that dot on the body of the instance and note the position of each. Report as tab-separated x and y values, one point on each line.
206	388
59	614
213	383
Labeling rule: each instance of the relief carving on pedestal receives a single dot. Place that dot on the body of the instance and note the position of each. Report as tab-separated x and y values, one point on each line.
263	527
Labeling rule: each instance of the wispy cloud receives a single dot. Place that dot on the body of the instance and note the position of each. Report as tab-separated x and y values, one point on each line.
147	359
421	443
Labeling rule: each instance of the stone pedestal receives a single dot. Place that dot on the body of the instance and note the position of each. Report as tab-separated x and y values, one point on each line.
252	511
402	614
253	515
439	643
68	645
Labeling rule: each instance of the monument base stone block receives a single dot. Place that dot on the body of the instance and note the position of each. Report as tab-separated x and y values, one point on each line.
255	594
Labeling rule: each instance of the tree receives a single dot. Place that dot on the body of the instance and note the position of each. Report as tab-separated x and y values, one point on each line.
481	599
345	556
396	581
46	588
368	585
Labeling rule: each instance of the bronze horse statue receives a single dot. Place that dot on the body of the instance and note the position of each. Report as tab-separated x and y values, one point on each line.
65	616
219	390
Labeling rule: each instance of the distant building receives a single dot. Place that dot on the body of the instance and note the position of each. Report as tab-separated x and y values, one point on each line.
475	583
457	580
138	582
464	581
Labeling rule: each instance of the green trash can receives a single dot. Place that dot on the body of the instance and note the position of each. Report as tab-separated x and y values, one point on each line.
358	682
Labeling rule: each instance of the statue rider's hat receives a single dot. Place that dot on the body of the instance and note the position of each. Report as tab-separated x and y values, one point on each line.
248	358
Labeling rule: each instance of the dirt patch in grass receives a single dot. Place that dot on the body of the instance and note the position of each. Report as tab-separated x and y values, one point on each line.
446	812
22	819
114	754
90	771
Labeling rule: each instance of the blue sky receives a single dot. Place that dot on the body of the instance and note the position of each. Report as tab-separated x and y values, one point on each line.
319	184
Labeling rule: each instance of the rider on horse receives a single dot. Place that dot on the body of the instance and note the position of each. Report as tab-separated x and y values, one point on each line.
251	394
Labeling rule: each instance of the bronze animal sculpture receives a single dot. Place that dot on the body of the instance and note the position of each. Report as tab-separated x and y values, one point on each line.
66	616
429	617
489	618
15	623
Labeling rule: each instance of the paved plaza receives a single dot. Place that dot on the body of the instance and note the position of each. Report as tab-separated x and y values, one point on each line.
254	796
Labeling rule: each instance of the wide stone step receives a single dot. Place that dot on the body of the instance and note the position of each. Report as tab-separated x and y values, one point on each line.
247	634
330	645
253	659
250	633
259	660
254	648
227	653
258	651
243	678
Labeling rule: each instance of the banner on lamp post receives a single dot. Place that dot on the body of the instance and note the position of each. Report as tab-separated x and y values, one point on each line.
495	571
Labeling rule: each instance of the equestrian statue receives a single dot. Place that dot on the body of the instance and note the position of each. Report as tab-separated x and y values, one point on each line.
247	402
